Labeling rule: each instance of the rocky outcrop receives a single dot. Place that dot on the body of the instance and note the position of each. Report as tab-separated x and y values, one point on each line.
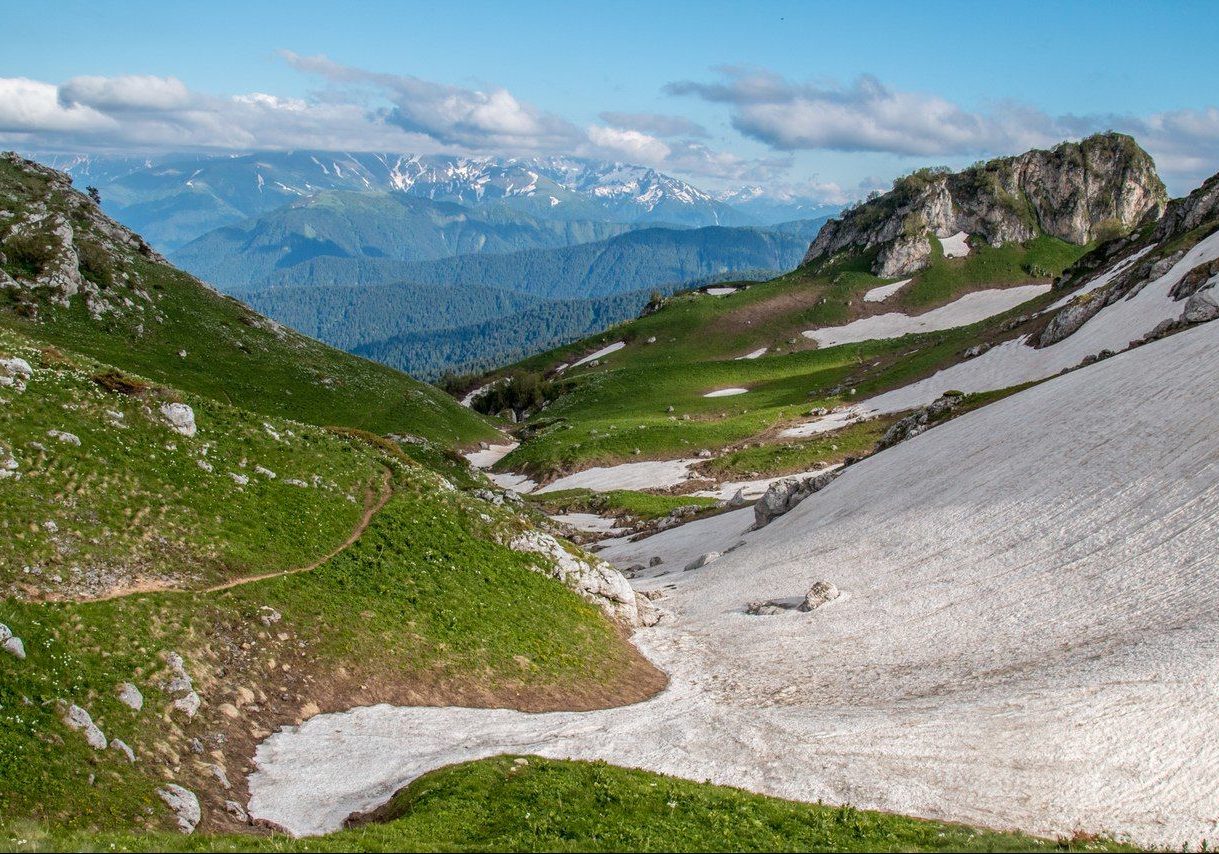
919	421
595	580
1077	192
184	804
60	248
782	496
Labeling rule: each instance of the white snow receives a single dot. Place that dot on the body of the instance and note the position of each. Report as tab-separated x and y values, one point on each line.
968	309
648	474
521	483
474	395
758	353
677	546
720	292
1026	637
883	292
754	488
1014	362
604	351
726	392
956	246
826	423
484	459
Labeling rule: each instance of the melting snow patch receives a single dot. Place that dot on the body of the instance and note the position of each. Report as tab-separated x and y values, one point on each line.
604	351
649	474
968	309
884	291
761	351
725	392
719	292
956	246
492	454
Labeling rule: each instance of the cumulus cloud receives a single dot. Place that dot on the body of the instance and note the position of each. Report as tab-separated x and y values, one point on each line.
657	124
127	93
866	115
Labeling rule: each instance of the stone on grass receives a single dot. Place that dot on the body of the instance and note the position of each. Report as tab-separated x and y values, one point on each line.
78	719
122	747
180	417
14	647
130	696
184	804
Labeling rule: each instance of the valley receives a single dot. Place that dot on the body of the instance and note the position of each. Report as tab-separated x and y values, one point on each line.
921	527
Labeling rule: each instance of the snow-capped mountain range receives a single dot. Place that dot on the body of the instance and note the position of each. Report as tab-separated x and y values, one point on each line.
176	197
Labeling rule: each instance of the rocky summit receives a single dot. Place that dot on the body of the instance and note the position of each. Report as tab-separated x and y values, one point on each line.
1077	191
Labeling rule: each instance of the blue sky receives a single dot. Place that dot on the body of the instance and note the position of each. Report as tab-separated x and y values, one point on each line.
828	98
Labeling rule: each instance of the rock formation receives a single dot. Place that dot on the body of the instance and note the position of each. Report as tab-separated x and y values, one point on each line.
1077	192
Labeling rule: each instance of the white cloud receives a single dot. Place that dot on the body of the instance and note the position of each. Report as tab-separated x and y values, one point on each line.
30	106
129	92
657	124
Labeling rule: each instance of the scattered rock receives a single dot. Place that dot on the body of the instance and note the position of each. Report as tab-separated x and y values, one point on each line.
820	593
656	560
184	805
14	647
767	608
78	719
595	580
180	417
188	704
219	773
704	454
265	472
129	695
66	438
122	747
976	351
268	615
702	560
237	811
16	368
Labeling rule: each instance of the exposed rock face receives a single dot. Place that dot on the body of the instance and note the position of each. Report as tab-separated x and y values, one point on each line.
1202	306
78	719
1076	192
69	250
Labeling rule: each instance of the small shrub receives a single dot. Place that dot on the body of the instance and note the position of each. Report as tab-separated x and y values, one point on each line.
119	383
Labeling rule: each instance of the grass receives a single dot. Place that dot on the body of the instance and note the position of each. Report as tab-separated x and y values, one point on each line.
425	607
232	354
790	456
618	502
622	405
133	499
533	804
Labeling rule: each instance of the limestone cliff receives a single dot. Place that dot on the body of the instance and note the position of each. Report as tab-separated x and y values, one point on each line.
1078	192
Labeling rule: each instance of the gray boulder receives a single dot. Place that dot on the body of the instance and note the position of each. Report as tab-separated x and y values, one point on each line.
1202	306
784	495
820	593
78	719
180	417
702	560
184	804
130	696
123	748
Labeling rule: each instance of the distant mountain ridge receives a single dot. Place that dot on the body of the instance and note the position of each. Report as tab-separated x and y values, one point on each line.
171	199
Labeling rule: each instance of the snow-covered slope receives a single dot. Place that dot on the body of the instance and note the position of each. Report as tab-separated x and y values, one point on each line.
1027	636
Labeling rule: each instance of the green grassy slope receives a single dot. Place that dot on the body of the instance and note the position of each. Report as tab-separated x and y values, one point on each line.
622	404
533	804
231	354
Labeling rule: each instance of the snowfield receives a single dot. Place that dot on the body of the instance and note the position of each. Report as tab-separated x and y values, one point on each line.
648	474
756	354
968	309
726	392
603	352
885	291
1028	634
956	246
